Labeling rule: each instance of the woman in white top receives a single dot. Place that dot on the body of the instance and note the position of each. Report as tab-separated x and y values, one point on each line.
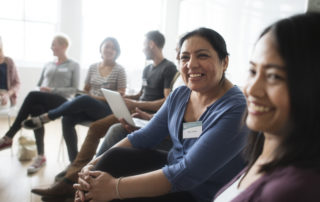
90	106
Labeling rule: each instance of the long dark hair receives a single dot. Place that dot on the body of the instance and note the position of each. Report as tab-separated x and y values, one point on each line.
298	44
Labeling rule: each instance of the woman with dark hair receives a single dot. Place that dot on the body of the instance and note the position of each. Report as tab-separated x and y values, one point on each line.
58	82
283	113
92	105
203	119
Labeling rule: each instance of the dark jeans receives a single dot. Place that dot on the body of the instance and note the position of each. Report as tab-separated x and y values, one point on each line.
34	104
130	161
117	132
80	109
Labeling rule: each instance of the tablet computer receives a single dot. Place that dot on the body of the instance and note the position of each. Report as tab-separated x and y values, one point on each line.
120	109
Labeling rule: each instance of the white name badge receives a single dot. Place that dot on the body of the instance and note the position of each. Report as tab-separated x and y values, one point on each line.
63	70
144	82
192	129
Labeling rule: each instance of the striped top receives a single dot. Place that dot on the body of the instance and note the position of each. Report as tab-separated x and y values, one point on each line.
114	81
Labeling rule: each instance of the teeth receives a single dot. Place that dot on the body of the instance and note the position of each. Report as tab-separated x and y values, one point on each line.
194	75
258	108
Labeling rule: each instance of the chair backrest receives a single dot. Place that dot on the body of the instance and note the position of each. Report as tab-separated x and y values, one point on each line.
176	81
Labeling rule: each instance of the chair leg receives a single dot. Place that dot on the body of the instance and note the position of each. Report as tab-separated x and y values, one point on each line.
9	125
61	150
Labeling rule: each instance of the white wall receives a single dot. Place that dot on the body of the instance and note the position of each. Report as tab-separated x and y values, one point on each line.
68	24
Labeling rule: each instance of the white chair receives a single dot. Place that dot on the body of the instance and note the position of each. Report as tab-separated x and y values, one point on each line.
8	112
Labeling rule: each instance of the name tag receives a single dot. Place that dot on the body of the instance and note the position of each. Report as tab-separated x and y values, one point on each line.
192	129
62	69
144	82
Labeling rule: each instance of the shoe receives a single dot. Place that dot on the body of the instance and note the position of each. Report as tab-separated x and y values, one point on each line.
61	175
32	123
5	143
59	189
38	163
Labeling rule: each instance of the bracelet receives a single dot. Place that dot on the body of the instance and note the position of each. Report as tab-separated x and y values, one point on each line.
117	188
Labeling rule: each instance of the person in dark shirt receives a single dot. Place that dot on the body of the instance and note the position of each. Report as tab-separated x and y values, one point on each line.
204	122
156	86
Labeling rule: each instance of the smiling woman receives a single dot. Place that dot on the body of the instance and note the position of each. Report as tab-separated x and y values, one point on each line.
267	89
201	66
206	150
283	113
92	105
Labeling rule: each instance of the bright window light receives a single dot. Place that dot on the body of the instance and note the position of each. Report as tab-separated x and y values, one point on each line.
239	22
27	28
126	20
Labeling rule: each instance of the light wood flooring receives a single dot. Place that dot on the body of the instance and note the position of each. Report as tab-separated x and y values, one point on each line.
15	184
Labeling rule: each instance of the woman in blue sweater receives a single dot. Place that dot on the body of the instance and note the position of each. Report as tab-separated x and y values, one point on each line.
203	119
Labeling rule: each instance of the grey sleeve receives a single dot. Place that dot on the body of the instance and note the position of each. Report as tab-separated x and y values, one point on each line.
41	77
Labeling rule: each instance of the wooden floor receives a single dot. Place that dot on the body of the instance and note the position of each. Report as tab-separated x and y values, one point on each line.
15	184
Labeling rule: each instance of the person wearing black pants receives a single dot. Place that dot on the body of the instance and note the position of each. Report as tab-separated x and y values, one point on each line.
80	109
35	104
204	121
90	105
134	162
59	81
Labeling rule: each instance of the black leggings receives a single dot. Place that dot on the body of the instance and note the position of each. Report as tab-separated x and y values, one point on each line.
35	104
130	161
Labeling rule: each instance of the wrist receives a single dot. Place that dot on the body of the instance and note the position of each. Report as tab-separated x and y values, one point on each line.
117	188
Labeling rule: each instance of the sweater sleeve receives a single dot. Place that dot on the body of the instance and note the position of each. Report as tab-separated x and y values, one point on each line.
155	131
221	141
42	76
14	81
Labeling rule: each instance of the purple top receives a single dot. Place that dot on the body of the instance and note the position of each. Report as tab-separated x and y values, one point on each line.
284	184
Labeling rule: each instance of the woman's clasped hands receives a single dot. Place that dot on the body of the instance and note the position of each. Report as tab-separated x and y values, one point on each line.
95	186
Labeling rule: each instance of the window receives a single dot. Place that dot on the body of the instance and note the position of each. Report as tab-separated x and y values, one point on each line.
27	28
239	22
126	20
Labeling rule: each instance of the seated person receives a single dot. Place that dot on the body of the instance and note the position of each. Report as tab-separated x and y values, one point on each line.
9	80
118	131
282	93
156	86
204	121
92	105
58	82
